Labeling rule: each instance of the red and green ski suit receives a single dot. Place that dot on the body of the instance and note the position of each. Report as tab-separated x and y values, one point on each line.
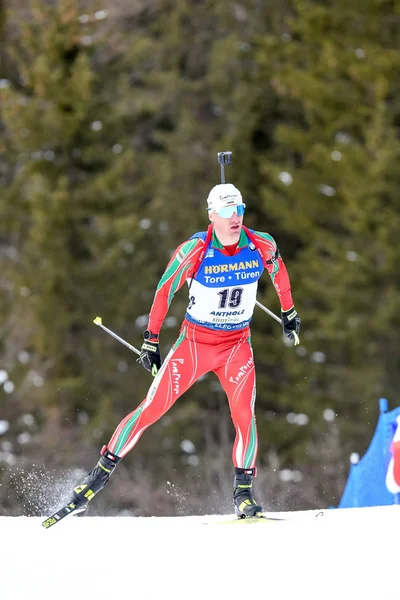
215	338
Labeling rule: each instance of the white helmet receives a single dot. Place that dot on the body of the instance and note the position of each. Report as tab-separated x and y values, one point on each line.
223	194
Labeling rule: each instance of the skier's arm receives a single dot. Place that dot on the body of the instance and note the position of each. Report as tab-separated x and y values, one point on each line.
177	272
276	269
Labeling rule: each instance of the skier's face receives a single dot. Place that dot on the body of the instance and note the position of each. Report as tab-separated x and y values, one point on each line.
227	228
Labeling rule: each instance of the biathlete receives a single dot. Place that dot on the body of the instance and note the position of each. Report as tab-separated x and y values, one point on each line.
222	267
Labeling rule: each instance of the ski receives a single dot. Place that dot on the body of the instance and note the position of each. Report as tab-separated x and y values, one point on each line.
61	513
228	520
262	518
252	520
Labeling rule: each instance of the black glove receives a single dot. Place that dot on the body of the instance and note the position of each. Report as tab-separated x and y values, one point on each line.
291	325
150	357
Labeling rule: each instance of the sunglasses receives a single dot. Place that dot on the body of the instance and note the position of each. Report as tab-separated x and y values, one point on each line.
227	211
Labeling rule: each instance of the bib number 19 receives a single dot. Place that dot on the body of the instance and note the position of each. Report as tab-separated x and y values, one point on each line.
230	297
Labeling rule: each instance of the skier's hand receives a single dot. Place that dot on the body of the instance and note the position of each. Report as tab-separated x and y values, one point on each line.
291	325
150	357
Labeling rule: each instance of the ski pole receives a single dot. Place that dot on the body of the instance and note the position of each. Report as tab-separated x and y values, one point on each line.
224	158
269	312
98	321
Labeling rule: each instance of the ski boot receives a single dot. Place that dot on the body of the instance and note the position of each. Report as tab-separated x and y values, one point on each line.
94	481
243	499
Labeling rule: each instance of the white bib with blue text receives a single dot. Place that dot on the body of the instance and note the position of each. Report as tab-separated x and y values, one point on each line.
222	296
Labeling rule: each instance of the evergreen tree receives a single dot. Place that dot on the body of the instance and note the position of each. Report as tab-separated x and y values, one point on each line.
330	184
69	215
110	126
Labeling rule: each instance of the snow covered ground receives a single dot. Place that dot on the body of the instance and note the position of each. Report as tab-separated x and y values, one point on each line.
345	554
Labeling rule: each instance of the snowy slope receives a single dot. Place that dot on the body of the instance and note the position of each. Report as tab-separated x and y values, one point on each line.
344	554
